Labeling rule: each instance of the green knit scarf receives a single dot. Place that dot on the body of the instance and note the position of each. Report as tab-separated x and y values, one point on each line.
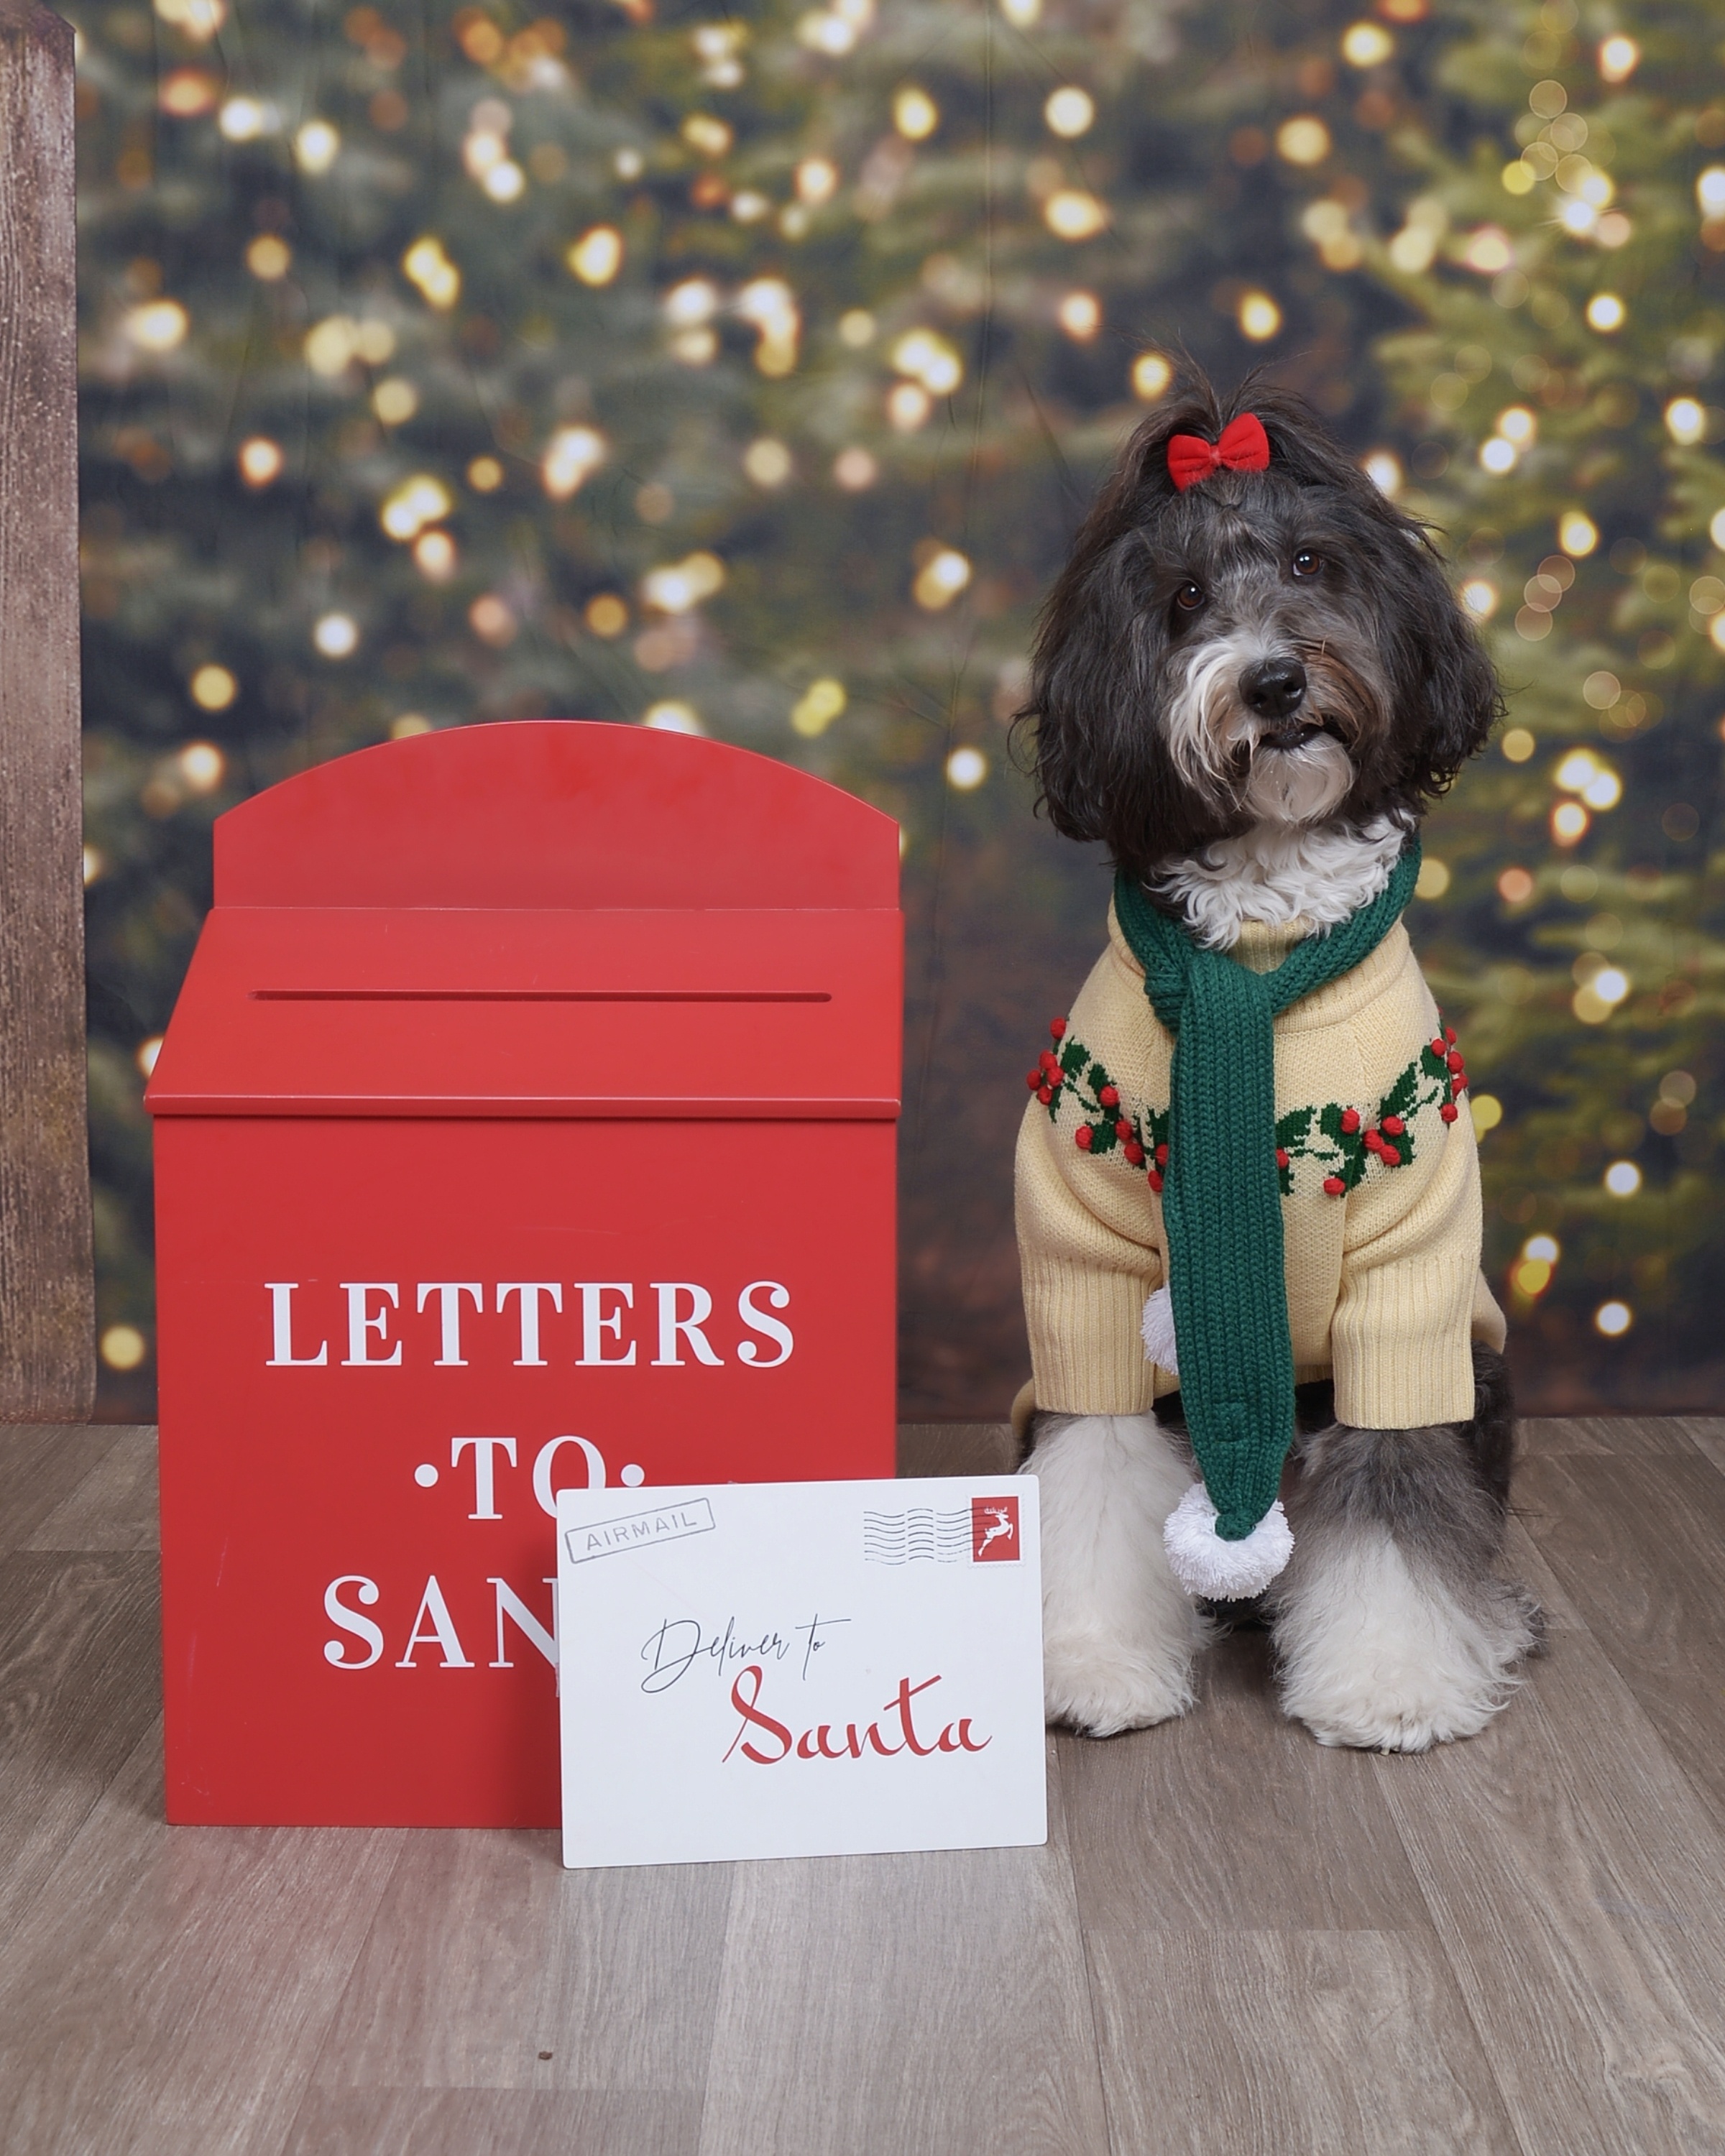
1221	1200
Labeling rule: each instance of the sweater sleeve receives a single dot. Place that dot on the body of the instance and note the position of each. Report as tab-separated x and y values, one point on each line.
1085	1280
1400	1336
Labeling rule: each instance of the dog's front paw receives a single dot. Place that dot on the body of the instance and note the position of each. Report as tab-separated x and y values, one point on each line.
1378	1655
1099	1687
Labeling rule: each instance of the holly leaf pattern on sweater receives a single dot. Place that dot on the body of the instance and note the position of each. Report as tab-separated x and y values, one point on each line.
1345	1142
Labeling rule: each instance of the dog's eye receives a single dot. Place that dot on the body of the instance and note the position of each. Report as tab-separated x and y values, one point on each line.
1188	598
1307	563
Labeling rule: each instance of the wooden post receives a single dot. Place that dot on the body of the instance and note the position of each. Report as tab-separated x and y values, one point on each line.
47	1303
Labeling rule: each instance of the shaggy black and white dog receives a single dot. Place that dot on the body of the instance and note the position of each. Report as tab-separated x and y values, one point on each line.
1250	690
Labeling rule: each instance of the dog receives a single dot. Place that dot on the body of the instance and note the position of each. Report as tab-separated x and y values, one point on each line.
1250	682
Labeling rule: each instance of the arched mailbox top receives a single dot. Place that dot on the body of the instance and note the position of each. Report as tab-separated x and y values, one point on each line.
546	918
556	812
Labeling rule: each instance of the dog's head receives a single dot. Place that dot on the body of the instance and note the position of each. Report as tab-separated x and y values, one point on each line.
1277	645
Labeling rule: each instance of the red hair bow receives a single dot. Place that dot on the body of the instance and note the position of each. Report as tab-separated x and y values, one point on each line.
1244	447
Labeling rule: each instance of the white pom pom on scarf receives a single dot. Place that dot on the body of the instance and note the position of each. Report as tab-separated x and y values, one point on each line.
1157	1330
1224	1572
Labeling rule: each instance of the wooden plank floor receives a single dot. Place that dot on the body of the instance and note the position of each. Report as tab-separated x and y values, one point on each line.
1234	1942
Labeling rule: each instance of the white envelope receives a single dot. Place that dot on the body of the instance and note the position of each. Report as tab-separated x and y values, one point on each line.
800	1669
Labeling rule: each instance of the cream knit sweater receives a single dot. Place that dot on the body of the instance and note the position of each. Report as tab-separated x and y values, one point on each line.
1383	1280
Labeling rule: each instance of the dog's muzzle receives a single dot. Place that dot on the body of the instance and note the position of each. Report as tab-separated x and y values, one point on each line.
1274	691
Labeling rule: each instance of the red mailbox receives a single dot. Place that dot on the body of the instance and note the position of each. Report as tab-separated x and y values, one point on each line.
527	1119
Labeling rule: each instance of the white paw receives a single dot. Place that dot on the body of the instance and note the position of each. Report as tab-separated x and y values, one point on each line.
1379	1656
1099	1688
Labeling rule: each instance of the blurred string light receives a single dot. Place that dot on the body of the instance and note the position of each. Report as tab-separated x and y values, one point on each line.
435	557
1517	745
606	614
1412	249
1531	1273
768	462
317	146
915	114
817	180
966	767
413	504
269	259
395	400
1479	595
94	865
1602	987
706	136
1367	44
1080	315
201	767
492	619
941	573
408	724
572	457
1069	112
1582	772
214	688
429	270
597	256
1618	58
678	587
1515	887
1486	1112
335	635
1623	1179
259	461
1434	878
1577	533
484	474
1488	250
673	716
245	119
926	357
1072	213
1152	374
1304	140
124	1347
769	306
1606	312
159	325
856	328
332	345
820	704
854	469
1327	224
1686	420
1259	317
197	19
1613	1319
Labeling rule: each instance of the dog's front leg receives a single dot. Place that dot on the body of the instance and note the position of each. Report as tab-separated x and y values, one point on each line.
1119	1636
1392	1633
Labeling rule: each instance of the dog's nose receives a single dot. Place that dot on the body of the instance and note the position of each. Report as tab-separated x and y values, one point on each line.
1274	687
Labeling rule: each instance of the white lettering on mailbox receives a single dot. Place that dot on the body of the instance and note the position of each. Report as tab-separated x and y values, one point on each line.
683	1324
281	1297
449	1294
670	1326
361	1322
484	1485
594	1323
758	1321
350	1620
442	1633
530	1291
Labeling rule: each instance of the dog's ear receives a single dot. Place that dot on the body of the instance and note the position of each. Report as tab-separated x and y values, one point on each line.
1100	756
1447	694
1101	759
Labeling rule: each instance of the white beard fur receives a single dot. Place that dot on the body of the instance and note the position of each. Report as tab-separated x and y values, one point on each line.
1119	1635
1380	1654
1278	872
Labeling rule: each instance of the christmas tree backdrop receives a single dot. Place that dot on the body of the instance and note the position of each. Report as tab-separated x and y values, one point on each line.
748	374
